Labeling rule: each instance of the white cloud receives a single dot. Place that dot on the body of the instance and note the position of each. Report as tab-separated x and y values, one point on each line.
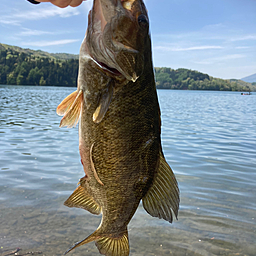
224	58
87	5
31	32
230	57
43	13
193	48
244	38
242	47
211	27
50	43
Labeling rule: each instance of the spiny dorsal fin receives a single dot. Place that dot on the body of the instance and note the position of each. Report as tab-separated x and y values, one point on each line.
163	196
66	104
109	245
72	115
103	104
82	199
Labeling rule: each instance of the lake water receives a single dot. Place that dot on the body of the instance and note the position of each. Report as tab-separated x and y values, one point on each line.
209	139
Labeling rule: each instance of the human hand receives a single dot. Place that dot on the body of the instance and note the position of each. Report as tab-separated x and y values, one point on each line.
63	3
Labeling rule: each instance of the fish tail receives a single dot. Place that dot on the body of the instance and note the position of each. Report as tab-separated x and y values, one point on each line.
117	245
107	244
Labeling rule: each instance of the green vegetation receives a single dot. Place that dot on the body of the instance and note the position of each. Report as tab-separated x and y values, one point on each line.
26	67
20	66
185	79
38	53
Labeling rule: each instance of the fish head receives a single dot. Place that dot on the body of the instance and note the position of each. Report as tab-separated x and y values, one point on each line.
116	34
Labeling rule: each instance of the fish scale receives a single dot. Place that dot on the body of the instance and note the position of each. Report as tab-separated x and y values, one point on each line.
119	126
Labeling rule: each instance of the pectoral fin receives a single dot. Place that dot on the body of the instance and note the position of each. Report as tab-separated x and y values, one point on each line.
71	108
66	104
163	196
82	199
103	104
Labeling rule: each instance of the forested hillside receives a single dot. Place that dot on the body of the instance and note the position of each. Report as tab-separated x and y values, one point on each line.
26	68
20	66
185	79
39	53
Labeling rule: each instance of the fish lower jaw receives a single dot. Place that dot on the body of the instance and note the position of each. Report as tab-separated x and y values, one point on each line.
112	71
119	75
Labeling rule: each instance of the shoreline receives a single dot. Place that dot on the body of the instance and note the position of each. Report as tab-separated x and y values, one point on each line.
167	89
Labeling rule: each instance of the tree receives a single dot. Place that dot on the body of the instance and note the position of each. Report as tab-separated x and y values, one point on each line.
42	81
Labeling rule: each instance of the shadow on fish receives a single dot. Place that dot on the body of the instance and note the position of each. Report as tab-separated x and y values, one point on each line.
117	109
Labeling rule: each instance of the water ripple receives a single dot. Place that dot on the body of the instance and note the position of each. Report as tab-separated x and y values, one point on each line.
208	138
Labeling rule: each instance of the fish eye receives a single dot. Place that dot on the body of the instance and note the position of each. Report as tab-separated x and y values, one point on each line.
143	20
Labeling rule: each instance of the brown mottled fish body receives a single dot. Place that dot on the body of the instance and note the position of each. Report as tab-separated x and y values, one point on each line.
125	152
119	126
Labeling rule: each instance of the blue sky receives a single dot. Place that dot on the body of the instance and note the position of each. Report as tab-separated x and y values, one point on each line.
217	37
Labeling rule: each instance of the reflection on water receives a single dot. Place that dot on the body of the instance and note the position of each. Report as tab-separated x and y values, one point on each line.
208	138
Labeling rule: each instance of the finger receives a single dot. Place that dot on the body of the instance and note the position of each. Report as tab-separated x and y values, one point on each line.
43	0
75	3
61	3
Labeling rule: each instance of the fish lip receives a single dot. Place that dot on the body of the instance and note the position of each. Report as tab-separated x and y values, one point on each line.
112	71
115	72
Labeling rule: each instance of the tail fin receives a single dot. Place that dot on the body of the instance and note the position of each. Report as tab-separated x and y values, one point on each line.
107	244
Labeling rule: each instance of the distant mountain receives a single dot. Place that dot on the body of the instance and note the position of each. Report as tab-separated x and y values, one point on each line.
250	79
39	53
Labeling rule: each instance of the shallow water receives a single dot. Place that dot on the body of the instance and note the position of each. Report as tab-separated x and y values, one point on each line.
209	139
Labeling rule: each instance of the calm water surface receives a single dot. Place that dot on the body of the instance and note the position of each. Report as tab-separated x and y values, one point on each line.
209	139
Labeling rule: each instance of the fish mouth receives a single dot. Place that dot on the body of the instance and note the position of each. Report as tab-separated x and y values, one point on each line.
109	70
114	72
112	51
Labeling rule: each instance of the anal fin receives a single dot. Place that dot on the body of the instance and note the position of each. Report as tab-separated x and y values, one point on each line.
71	108
163	195
82	199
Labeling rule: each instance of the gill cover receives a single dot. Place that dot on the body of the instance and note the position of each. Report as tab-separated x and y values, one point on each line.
116	36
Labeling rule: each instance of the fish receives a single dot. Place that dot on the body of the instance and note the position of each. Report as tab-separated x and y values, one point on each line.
117	109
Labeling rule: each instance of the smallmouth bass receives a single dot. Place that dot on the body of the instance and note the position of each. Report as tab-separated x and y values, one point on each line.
117	109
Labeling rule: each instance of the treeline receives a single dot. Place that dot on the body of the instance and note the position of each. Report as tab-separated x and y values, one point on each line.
185	79
19	68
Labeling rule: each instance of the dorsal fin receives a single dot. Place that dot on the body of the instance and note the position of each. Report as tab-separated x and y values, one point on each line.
80	198
71	108
163	196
